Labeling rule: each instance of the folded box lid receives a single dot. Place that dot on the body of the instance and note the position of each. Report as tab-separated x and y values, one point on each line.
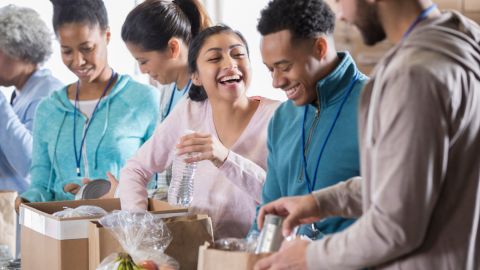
39	216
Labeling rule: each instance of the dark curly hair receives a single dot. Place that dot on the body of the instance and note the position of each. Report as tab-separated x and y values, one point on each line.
90	12
304	18
197	93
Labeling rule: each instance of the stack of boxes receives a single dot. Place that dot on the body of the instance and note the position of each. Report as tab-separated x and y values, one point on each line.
348	38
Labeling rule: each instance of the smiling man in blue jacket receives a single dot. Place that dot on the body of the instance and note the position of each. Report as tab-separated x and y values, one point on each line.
312	138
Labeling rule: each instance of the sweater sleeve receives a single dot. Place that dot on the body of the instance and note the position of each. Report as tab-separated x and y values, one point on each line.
271	189
15	139
343	199
244	173
153	156
41	169
406	181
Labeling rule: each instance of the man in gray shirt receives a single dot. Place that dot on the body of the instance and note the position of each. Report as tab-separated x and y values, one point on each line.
418	203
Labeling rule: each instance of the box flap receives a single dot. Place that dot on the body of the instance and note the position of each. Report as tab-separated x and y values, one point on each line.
38	216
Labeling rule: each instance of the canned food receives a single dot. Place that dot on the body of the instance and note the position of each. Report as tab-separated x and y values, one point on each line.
271	236
93	189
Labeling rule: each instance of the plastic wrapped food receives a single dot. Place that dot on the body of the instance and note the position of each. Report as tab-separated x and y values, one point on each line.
144	238
81	211
231	244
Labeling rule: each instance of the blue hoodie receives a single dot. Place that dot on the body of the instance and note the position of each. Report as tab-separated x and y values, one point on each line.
340	159
124	120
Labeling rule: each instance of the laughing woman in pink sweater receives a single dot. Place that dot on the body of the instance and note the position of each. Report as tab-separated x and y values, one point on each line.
230	137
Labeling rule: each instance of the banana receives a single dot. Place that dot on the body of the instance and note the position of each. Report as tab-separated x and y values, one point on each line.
121	266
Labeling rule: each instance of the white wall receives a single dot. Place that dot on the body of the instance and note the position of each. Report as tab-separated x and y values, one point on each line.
119	57
240	15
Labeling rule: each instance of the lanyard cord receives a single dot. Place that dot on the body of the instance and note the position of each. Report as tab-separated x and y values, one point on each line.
78	156
423	15
310	184
185	90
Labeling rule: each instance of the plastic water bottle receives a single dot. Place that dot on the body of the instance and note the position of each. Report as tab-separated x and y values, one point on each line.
180	191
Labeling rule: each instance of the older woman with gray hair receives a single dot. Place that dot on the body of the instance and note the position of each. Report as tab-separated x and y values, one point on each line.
25	44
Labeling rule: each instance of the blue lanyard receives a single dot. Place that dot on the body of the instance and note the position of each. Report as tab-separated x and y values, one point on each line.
310	184
170	103
78	156
423	15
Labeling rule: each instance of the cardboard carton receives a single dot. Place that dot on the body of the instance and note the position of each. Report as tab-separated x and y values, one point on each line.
8	221
214	259
188	232
53	243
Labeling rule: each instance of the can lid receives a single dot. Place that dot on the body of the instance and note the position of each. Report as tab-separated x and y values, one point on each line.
95	189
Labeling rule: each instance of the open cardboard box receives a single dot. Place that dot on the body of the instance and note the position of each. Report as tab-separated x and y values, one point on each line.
210	258
8	221
188	233
49	242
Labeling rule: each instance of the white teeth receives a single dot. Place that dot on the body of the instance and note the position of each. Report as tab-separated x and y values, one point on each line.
290	92
83	71
227	78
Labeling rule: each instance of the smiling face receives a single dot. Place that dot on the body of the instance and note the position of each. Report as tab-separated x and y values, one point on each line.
223	67
157	64
84	50
294	66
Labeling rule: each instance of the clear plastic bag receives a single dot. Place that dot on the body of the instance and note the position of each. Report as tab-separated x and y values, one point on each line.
231	244
81	211
143	236
248	244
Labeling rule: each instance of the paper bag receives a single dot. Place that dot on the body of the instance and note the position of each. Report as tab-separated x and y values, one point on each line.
215	259
8	220
189	233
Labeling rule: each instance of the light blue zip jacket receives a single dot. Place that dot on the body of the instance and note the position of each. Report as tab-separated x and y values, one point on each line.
15	129
340	159
124	120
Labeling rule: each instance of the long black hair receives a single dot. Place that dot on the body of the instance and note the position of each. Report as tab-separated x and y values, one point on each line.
153	23
197	93
90	12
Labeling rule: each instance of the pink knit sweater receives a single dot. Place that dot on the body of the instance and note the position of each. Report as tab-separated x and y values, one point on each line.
228	194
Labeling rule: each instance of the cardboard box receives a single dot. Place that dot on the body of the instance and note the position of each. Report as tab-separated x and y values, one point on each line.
475	16
188	232
472	6
49	242
8	221
449	4
215	259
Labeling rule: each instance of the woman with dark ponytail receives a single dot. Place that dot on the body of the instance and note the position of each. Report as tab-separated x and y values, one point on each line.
92	126
229	138
158	34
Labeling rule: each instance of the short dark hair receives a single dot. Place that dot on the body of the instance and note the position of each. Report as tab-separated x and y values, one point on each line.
90	12
153	23
197	93
304	18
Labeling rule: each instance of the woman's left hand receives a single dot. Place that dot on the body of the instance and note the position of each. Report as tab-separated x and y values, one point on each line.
202	146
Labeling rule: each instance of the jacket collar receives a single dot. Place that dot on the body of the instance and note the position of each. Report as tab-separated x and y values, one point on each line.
331	88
